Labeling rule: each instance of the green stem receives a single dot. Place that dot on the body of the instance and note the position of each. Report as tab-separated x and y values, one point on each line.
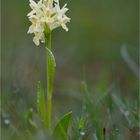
49	82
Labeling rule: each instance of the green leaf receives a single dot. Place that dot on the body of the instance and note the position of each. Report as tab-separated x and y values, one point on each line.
51	56
50	78
51	64
41	101
60	131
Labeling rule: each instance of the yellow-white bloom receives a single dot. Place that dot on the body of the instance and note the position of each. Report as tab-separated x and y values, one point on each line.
46	12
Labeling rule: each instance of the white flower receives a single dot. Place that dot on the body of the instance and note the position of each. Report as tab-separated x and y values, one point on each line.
46	12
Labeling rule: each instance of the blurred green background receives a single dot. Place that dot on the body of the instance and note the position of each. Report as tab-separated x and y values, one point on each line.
97	31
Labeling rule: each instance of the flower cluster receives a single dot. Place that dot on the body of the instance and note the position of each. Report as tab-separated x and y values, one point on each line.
46	12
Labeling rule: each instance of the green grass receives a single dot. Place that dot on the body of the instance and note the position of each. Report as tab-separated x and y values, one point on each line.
109	116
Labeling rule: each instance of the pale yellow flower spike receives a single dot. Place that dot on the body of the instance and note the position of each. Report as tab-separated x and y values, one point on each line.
44	12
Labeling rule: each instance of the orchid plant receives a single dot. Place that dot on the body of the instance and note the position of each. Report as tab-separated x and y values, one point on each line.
46	15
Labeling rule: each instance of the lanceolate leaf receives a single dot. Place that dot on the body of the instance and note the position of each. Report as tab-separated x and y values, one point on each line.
51	56
51	70
41	101
60	131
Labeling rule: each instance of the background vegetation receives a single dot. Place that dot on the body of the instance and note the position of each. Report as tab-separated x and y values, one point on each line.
90	51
